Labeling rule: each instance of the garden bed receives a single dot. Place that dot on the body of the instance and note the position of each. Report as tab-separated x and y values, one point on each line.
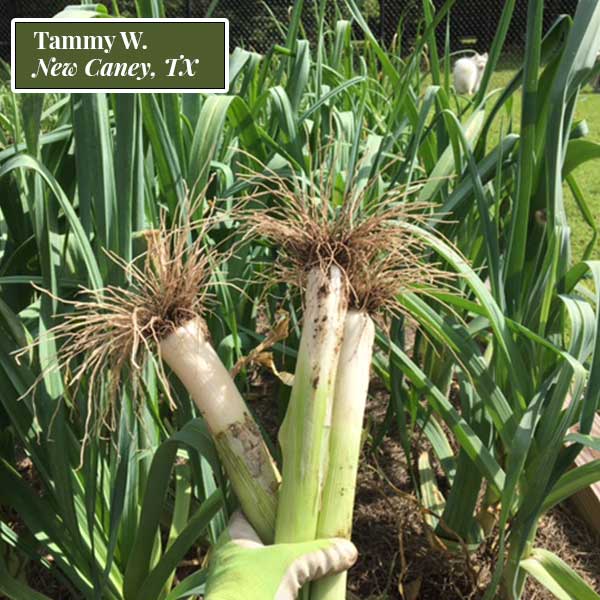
395	549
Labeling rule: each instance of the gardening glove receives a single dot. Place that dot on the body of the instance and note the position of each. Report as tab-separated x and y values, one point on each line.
242	568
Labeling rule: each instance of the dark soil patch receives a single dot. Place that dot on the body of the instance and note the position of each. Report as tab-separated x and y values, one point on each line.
398	559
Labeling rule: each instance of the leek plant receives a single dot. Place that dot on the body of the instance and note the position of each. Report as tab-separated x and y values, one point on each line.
238	440
304	435
163	307
360	255
351	387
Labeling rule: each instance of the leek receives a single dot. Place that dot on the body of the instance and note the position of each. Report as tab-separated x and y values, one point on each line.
304	435
242	450
351	387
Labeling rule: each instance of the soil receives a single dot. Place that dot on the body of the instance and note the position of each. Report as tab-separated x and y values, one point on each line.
398	559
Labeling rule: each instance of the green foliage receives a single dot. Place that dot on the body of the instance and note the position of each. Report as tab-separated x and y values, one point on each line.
83	174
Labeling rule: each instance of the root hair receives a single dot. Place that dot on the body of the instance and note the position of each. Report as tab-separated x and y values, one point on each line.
373	245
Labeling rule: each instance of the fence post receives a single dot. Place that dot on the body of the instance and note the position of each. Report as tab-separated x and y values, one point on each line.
382	21
189	9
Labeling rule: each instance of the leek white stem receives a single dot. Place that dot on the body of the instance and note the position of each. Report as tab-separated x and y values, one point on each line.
242	450
351	387
304	435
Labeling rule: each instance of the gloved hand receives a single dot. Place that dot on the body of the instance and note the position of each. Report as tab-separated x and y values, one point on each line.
242	568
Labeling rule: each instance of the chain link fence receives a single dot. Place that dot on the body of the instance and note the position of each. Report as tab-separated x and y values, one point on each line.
254	24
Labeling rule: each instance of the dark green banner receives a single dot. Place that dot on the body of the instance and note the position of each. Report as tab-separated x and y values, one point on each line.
143	55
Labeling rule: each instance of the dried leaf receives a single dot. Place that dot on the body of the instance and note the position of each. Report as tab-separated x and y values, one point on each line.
265	359
279	332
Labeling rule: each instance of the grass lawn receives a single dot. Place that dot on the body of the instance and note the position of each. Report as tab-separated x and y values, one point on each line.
588	175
